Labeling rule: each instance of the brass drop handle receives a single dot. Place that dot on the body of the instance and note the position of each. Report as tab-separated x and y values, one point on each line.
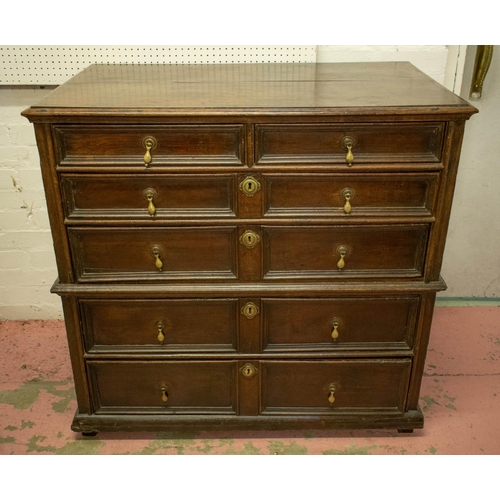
149	194
347	144
349	157
151	207
164	394
347	204
347	194
160	326
335	331
342	252
156	252
331	397
149	143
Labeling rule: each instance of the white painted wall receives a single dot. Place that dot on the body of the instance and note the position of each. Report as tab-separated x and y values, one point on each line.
27	265
471	265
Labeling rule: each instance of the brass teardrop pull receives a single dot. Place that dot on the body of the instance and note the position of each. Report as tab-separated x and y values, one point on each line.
347	204
331	397
335	331
347	194
149	143
149	194
342	252
164	394
349	157
160	326
347	143
156	252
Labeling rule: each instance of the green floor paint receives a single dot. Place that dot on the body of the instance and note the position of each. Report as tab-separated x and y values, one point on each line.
351	450
280	448
27	394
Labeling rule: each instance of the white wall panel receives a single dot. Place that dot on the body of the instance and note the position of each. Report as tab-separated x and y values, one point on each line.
53	65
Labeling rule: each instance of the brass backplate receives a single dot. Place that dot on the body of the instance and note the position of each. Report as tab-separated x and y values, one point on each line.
347	141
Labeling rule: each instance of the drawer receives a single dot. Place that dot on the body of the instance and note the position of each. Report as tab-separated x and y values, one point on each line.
147	197
319	195
145	254
326	143
331	387
179	325
339	324
319	252
180	387
126	145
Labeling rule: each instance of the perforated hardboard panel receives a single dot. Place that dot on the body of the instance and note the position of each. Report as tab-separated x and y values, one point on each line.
53	65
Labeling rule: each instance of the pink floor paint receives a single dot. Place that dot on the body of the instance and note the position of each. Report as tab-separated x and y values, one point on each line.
460	398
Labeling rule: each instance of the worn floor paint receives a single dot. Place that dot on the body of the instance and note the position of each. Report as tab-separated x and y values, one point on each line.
460	398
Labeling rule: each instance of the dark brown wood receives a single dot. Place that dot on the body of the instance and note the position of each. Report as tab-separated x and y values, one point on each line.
251	323
134	325
304	388
321	195
368	323
104	147
128	255
312	252
89	197
372	143
191	387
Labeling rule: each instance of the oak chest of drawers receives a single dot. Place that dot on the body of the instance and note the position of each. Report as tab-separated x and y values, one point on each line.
249	246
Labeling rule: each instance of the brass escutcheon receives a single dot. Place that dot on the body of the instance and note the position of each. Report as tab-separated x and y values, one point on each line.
248	370
249	239
250	310
249	185
149	144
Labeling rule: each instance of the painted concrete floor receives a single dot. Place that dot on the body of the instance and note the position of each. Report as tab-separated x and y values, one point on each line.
460	398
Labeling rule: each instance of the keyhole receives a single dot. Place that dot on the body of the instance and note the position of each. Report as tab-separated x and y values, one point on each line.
248	371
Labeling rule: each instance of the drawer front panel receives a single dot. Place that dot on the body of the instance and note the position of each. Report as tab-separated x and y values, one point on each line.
160	325
174	145
334	386
164	387
147	197
110	254
373	143
341	324
317	195
344	251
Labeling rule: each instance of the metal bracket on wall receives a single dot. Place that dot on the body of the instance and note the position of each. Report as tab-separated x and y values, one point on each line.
484	54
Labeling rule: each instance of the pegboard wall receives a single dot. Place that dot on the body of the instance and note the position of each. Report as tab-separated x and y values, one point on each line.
53	65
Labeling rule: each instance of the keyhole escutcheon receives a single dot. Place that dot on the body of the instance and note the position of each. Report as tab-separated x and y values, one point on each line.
249	239
250	185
